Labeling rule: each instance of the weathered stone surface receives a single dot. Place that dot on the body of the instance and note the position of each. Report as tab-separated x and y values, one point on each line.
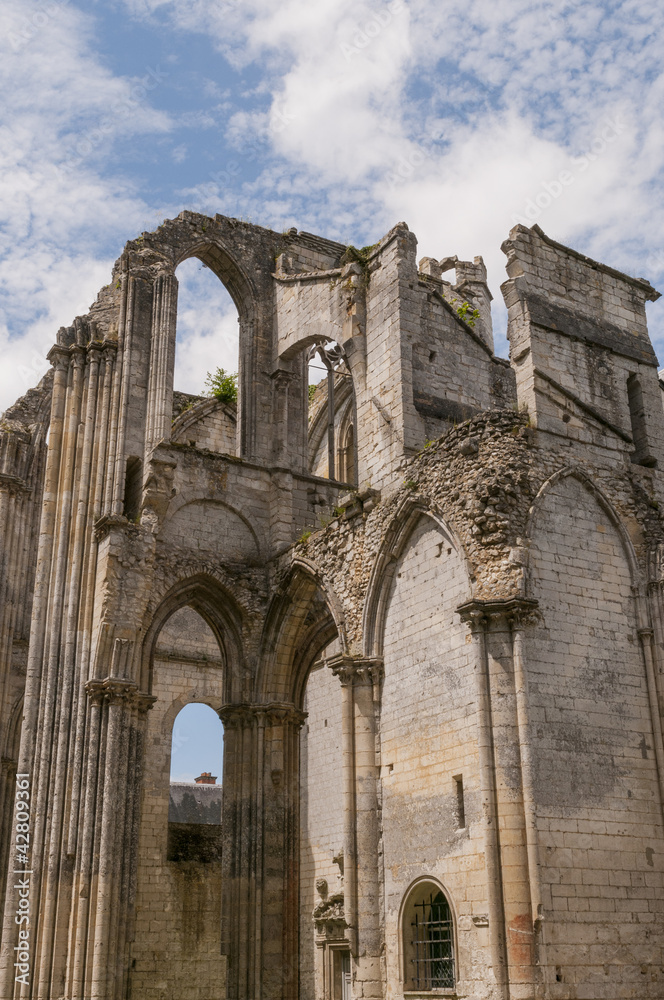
440	671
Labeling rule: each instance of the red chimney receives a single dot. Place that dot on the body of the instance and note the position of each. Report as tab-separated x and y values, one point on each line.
206	778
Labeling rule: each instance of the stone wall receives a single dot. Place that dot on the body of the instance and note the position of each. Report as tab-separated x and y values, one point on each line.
428	736
596	782
489	605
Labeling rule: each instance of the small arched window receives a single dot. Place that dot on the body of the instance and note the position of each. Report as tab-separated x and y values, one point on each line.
428	940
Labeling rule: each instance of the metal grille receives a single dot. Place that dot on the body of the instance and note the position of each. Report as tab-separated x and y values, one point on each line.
433	945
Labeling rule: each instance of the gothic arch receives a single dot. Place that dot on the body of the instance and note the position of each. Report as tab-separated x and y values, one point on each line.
600	497
223	263
303	618
174	709
394	543
218	609
190	417
343	399
421	882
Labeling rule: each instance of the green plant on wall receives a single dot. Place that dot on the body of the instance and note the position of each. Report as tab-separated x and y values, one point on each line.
466	312
222	385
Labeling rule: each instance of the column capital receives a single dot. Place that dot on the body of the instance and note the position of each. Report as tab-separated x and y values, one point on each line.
248	714
356	669
119	691
516	612
14	485
59	357
282	377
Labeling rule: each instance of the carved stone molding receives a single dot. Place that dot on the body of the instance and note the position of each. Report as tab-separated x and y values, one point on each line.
104	525
272	714
515	612
117	691
329	917
13	485
356	669
59	357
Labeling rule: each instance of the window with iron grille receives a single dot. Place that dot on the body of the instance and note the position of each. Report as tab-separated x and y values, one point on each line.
429	940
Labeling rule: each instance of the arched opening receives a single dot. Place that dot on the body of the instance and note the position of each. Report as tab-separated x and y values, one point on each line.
179	878
331	414
205	384
194	810
427	927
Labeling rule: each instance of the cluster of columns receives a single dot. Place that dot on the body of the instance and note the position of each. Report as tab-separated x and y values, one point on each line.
361	682
74	739
260	853
514	888
261	847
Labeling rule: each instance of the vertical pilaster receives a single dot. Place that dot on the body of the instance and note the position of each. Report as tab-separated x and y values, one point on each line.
162	360
59	358
281	381
475	618
360	685
121	708
260	855
513	867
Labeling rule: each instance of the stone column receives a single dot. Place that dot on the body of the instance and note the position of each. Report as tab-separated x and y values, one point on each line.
360	686
260	853
473	615
35	679
513	872
162	360
281	382
121	707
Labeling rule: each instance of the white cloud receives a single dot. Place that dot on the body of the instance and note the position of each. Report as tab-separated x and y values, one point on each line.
62	111
453	118
457	119
207	327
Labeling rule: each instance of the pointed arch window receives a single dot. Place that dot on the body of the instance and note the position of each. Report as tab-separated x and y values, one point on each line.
428	940
331	413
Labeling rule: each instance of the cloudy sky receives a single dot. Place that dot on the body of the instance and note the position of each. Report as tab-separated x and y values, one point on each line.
337	116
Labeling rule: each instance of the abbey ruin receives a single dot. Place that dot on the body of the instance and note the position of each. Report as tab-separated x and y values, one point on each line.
427	604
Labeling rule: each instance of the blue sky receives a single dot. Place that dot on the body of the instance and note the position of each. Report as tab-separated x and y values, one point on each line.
196	744
336	116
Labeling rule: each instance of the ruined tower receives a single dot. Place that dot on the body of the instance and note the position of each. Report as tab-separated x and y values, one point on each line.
426	603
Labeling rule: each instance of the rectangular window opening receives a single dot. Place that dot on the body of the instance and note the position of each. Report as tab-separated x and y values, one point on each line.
133	488
637	413
461	808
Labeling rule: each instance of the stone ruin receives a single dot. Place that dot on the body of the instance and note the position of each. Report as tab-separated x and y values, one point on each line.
426	604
